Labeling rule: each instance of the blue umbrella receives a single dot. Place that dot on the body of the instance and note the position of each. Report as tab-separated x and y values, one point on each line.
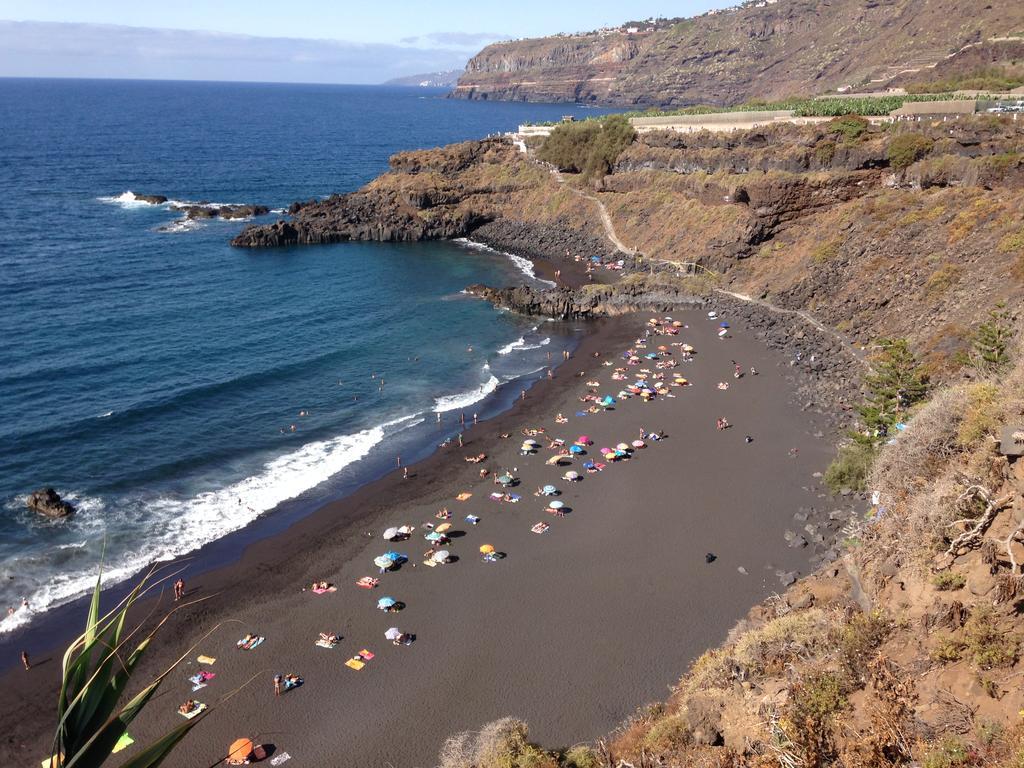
394	556
434	536
608	400
576	449
723	325
549	490
386	602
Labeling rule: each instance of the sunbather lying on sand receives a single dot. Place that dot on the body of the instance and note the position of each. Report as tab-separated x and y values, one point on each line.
188	706
560	419
329	637
477	459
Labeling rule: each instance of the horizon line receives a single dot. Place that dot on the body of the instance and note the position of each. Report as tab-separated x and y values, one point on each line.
221	82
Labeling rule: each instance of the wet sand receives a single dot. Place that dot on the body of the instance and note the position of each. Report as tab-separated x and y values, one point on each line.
572	631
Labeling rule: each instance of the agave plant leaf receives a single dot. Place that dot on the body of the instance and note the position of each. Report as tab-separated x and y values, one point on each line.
158	751
97	673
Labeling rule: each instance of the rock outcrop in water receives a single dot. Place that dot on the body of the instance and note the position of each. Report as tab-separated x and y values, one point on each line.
429	195
47	502
204	211
152	199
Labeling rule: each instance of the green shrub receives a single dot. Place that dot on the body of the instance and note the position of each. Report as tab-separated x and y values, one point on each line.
948	753
824	152
906	149
897	383
850	468
667	735
987	645
858	639
991	341
850	127
589	147
812	704
948	581
581	756
947	649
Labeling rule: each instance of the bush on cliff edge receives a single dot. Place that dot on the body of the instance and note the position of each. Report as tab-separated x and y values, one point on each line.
590	147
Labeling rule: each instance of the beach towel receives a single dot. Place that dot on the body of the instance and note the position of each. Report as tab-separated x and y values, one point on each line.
540	527
355	664
472	519
197	686
324	644
497	496
123	743
205	659
430	563
463	496
199	708
320	591
280	758
251	644
367	582
289	684
366	654
513	498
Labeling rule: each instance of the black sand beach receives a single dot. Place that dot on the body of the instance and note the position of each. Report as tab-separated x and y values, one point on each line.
573	630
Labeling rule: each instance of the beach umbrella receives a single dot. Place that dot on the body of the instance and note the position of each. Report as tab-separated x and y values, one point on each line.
723	325
723	331
395	556
393	633
622	447
531	441
555	459
239	751
434	536
440	556
638	443
608	400
383	561
407	529
386	602
712	315
443	527
576	449
486	549
607	451
584	440
505	479
391	533
548	490
556	505
571	476
588	464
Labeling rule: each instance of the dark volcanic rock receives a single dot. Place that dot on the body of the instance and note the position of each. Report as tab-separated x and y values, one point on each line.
222	211
154	199
48	502
422	198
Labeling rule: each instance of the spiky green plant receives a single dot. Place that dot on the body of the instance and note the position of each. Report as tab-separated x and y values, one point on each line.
97	669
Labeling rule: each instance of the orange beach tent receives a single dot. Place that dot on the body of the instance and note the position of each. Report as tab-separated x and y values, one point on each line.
239	752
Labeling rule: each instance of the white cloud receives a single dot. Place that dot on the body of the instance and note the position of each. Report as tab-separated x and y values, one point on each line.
45	49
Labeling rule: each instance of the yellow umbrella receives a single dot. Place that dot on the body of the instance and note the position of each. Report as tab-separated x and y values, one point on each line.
443	527
486	549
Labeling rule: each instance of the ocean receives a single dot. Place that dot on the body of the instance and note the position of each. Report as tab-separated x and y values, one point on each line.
175	389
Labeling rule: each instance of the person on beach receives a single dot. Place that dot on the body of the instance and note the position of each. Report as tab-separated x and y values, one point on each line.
737	372
405	473
474	418
753	371
522	394
24	661
179	589
277	685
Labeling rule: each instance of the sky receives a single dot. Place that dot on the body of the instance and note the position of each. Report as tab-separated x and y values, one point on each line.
291	41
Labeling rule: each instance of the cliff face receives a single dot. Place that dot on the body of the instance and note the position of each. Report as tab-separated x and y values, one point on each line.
775	51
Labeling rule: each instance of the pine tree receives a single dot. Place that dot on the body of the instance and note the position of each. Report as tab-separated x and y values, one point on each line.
991	340
896	383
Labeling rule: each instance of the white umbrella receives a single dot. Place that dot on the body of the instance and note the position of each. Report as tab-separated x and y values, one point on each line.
393	633
440	556
391	533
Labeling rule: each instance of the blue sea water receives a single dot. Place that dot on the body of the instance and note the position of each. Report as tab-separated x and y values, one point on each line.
155	376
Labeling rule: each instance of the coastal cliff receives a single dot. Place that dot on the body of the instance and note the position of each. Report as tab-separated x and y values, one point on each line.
759	50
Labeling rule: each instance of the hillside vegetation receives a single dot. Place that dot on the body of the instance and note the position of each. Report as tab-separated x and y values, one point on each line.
757	50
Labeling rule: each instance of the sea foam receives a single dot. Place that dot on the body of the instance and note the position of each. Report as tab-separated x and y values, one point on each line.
176	527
